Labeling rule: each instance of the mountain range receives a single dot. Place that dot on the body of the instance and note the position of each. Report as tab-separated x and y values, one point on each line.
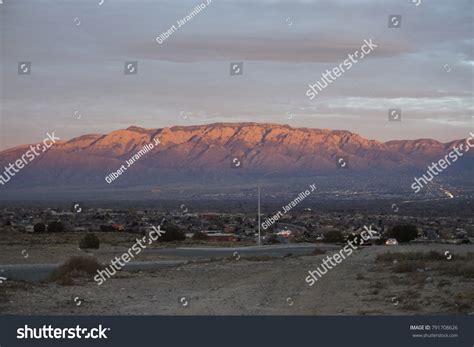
224	149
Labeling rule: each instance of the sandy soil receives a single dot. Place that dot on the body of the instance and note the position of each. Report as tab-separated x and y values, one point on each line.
358	285
22	248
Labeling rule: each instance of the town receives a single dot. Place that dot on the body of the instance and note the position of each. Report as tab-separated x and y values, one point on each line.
301	225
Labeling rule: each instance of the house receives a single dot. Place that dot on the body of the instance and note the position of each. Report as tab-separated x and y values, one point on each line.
217	235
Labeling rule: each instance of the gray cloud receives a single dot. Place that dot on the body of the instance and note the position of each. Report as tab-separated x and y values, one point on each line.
81	67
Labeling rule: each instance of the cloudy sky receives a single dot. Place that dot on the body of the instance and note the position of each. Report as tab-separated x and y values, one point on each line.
78	51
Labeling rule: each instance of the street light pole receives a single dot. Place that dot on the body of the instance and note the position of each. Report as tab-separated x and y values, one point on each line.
259	181
259	240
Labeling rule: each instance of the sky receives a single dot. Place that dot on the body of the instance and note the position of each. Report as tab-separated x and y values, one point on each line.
78	50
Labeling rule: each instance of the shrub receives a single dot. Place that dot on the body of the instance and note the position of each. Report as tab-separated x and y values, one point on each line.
334	236
39	228
272	240
355	239
173	233
200	236
456	269
55	227
318	251
89	241
428	256
408	266
106	228
404	233
73	268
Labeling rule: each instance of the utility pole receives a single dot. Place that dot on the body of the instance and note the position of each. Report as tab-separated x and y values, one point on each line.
259	240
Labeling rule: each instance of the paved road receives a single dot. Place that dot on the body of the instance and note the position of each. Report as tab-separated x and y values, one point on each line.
39	272
270	250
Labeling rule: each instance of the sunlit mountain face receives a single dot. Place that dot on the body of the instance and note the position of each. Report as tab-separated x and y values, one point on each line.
225	153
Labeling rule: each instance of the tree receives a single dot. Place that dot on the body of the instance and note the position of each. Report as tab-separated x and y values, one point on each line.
200	236
172	233
39	228
272	239
404	233
55	227
89	241
334	236
355	239
106	228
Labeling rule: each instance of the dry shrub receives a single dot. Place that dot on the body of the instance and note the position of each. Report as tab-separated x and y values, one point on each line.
408	266
398	256
74	267
318	251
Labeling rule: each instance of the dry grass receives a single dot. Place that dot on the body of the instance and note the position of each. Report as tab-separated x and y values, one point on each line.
457	268
318	251
427	256
74	267
464	301
458	265
259	258
408	266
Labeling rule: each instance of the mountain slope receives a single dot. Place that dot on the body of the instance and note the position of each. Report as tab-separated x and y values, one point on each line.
185	152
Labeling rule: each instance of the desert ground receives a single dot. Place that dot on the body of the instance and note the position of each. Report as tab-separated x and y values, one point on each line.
369	282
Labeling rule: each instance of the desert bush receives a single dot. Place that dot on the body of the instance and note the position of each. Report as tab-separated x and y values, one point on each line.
73	268
457	269
89	241
200	236
464	301
106	228
318	251
273	239
173	233
404	233
428	256
379	242
333	236
55	227
408	266
259	258
39	228
354	238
